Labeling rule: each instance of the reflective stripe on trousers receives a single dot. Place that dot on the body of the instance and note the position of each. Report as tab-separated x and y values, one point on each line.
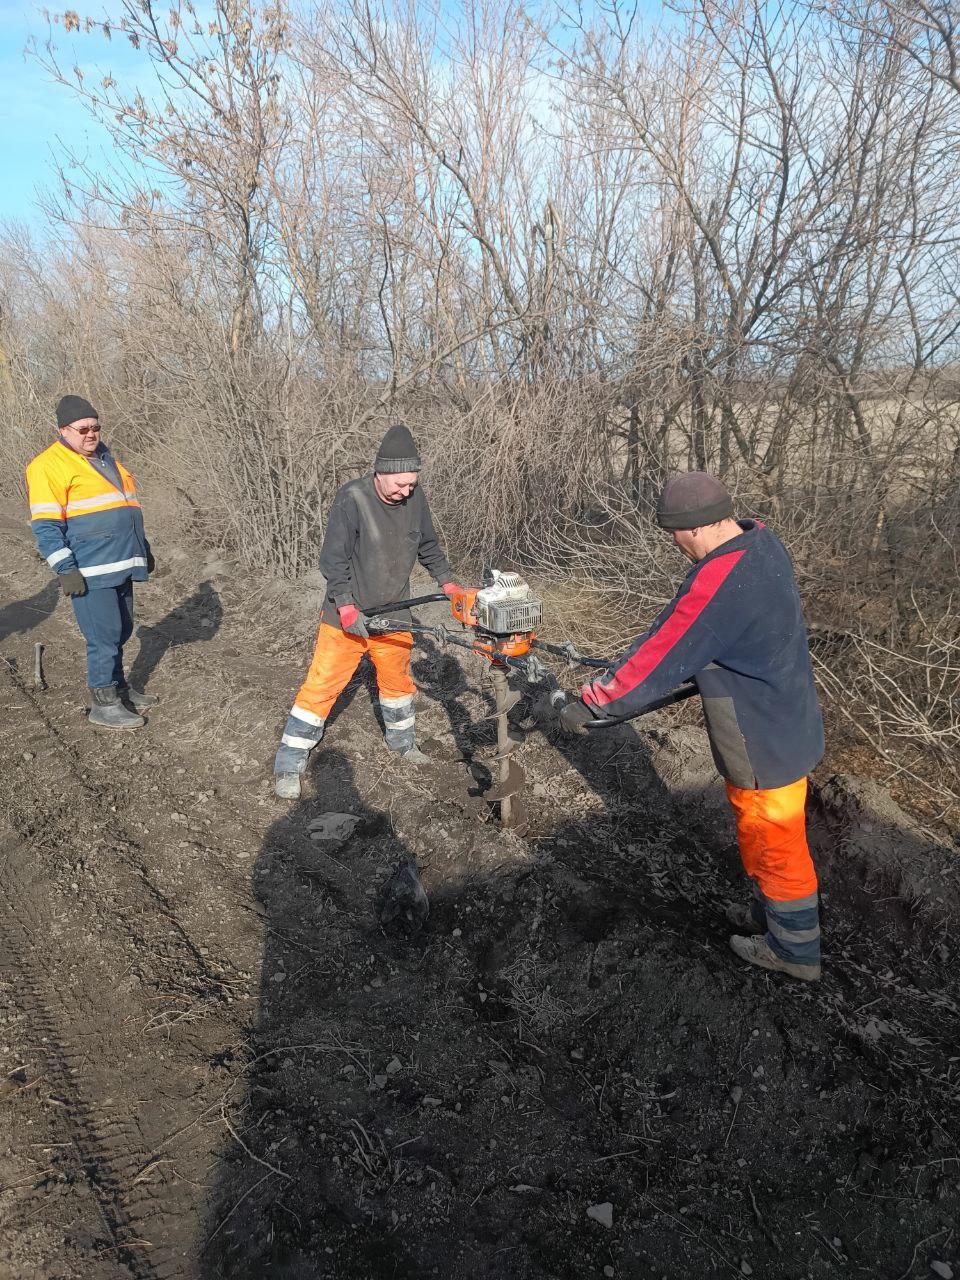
336	657
301	734
399	722
772	835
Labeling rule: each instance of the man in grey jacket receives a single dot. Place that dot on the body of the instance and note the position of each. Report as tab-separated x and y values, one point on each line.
378	528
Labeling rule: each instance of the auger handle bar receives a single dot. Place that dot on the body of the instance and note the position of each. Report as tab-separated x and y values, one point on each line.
523	665
404	604
566	650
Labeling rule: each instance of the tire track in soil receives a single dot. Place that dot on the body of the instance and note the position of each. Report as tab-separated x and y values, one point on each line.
109	1153
123	846
63	1010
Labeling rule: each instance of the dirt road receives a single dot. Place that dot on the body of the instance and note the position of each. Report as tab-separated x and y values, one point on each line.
216	1065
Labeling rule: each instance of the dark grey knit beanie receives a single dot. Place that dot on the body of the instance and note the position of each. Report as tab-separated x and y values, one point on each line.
693	500
72	409
398	452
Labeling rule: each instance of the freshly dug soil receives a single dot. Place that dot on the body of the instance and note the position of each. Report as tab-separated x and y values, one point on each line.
215	1063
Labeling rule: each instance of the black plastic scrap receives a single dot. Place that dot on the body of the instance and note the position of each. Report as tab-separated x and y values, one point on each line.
404	905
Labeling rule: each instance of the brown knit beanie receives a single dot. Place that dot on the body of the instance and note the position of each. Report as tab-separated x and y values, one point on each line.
692	500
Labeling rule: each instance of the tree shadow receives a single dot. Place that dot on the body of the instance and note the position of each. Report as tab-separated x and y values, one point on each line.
198	618
413	1108
24	615
311	1090
569	1017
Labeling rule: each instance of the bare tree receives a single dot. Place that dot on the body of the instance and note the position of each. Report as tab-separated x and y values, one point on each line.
576	254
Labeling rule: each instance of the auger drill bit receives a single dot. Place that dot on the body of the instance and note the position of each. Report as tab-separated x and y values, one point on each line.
515	818
510	784
511	776
519	822
515	739
513	813
505	702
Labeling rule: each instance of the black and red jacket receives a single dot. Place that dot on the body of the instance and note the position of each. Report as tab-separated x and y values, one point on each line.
736	626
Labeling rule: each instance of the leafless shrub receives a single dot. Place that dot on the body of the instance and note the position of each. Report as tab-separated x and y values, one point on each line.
574	255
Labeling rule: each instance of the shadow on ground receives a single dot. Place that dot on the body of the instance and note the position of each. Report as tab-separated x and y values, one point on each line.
595	756
308	1073
196	620
23	615
567	1073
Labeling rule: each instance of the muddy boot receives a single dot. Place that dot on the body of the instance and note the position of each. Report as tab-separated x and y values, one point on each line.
756	951
286	786
413	755
136	700
108	712
741	918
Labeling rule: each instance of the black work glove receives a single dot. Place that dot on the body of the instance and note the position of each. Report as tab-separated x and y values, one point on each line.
575	716
151	562
73	583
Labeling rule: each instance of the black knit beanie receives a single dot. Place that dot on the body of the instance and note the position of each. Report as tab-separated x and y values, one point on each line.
398	452
72	409
693	500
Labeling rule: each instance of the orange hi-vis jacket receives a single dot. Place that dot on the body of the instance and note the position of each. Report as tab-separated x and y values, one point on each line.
82	521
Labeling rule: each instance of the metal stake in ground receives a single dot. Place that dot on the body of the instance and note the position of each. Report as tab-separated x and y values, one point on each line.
38	681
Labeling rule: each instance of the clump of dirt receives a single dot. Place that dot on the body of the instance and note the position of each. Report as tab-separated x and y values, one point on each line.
221	1065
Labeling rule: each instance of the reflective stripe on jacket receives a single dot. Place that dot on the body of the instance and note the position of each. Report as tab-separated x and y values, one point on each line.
82	521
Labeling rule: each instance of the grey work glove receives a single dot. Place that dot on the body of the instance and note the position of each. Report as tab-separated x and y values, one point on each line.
353	622
151	562
575	717
73	583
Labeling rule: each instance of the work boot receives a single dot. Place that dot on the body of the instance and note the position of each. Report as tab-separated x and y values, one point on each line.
755	950
287	786
135	699
741	918
108	712
413	755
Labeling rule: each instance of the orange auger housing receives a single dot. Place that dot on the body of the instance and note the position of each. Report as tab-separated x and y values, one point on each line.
463	603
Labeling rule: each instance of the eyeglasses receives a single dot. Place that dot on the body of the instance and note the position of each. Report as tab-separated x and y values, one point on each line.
86	431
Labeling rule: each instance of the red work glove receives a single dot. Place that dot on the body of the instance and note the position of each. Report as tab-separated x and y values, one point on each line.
452	589
352	621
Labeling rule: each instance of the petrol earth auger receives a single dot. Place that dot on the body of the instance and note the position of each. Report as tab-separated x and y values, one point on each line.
498	622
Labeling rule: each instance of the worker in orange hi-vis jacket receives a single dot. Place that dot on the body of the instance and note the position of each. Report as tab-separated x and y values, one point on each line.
379	526
86	519
736	628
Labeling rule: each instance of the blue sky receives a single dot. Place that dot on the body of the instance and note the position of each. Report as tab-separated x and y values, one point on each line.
39	118
41	121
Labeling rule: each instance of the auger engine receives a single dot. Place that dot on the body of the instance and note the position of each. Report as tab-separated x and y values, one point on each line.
501	620
505	614
503	608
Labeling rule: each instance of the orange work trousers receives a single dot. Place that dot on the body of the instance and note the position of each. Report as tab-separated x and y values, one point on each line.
336	657
772	834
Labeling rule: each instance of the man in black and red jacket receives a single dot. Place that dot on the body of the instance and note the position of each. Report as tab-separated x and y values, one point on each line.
736	627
